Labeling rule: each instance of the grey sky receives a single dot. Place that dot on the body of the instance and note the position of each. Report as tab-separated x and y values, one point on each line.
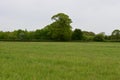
90	15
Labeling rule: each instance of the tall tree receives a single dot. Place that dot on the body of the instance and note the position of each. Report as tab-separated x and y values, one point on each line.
60	29
116	34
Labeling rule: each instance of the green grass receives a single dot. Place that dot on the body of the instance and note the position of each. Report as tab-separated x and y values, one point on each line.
59	61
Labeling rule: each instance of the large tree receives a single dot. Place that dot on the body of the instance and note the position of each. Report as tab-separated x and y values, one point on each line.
116	34
60	29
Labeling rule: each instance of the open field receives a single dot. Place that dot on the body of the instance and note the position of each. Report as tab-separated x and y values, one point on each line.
59	61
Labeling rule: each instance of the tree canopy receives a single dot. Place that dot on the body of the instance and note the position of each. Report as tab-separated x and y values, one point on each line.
60	29
116	34
77	34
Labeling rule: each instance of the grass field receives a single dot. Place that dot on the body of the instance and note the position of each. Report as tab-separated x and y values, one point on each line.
59	61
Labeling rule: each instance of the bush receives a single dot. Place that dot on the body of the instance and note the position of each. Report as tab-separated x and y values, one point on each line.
99	37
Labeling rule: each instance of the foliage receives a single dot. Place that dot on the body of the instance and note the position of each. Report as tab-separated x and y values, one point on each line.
60	29
88	36
99	37
115	35
77	34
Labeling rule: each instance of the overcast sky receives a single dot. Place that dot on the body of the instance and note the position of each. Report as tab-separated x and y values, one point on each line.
90	15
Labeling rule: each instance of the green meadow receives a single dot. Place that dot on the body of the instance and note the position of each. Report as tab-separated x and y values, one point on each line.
59	61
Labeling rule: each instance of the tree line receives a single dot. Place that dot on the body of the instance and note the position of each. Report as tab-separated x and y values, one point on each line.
59	30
